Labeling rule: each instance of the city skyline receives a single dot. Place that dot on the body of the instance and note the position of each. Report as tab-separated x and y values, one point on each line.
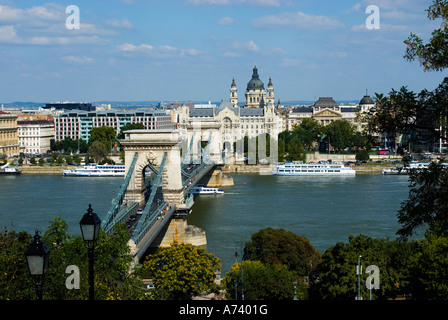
143	50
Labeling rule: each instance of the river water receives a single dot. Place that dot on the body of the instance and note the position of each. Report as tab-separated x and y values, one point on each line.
325	210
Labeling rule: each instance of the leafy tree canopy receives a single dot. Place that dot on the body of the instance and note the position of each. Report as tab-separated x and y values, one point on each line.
427	205
259	281
336	277
433	56
181	271
278	246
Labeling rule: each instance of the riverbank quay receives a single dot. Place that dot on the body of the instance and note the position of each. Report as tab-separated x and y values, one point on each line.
45	169
366	168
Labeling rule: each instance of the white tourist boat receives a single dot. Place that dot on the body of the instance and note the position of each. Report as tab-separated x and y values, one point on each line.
414	165
206	190
97	170
5	169
311	169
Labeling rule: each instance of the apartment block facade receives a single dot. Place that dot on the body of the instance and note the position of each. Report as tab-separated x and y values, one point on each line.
77	123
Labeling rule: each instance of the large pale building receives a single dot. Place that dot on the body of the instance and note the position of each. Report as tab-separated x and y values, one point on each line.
257	117
326	110
9	143
35	133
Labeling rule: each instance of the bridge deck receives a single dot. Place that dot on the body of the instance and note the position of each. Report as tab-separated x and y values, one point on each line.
153	232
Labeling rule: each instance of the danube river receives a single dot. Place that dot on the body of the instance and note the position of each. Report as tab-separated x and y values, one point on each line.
325	210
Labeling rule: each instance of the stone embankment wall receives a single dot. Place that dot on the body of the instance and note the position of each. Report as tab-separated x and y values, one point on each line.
45	169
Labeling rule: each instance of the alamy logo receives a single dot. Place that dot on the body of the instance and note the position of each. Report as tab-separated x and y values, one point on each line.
373	280
72	21
72	281
373	21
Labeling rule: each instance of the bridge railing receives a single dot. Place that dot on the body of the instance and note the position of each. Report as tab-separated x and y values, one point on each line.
156	214
108	220
123	214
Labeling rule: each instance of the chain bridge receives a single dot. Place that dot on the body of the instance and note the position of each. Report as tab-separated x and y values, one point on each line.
162	167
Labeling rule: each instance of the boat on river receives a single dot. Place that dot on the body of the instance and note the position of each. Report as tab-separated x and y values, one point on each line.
6	169
313	169
96	170
206	190
406	170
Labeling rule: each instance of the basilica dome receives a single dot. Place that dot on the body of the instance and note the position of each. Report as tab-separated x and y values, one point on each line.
255	83
366	100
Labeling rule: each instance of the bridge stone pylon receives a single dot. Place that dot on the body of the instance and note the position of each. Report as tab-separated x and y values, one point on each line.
151	146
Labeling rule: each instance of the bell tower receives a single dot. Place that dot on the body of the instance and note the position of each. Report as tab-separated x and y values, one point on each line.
270	93
233	94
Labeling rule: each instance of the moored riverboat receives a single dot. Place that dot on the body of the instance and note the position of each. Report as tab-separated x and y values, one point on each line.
96	170
311	169
7	170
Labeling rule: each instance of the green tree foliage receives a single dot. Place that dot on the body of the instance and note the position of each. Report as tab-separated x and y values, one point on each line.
429	279
336	278
69	145
97	151
278	246
397	113
181	271
105	135
295	150
362	155
15	283
281	150
404	111
114	278
261	281
340	133
433	56
308	132
427	205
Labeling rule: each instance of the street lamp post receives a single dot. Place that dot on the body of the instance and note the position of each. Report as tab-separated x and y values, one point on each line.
295	290
90	229
37	255
358	272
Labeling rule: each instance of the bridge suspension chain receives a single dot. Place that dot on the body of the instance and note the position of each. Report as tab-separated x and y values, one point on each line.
147	217
108	221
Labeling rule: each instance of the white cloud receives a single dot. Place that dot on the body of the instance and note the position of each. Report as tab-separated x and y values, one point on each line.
409	5
297	20
288	62
8	14
47	12
263	3
383	27
159	51
77	59
8	34
119	23
230	54
249	46
44	40
226	21
46	24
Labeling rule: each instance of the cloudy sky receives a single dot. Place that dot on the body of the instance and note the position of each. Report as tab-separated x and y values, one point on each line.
191	49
